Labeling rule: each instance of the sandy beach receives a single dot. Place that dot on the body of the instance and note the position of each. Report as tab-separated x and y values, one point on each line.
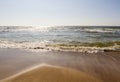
59	40
64	66
49	73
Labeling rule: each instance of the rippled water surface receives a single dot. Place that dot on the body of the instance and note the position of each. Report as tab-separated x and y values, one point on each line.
60	33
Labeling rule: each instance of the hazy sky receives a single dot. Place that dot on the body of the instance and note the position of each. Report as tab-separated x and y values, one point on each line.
59	12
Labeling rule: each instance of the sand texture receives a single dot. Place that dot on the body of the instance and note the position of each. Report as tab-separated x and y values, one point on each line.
48	73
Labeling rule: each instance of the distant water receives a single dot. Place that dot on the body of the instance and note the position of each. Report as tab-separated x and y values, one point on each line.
92	36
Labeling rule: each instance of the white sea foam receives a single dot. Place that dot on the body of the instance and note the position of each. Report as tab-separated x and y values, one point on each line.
36	38
24	45
41	46
101	30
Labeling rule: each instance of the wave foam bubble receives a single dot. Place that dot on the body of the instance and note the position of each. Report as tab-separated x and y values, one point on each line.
41	46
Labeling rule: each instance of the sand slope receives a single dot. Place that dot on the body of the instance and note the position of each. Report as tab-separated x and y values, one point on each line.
47	73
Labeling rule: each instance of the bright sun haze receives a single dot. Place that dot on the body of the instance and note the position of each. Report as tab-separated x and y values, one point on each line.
59	12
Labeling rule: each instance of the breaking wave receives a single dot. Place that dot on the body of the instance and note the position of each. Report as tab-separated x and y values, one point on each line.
64	38
76	47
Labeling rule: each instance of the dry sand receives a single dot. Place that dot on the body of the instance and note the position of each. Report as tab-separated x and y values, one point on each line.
48	73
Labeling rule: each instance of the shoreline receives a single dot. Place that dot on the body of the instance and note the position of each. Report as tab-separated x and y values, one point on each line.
96	47
104	65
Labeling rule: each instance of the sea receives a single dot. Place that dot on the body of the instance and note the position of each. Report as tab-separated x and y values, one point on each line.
62	38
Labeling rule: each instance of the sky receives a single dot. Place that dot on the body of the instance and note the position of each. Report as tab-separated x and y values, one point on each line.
59	12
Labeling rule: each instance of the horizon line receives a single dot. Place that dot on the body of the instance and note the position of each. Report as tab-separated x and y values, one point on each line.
61	25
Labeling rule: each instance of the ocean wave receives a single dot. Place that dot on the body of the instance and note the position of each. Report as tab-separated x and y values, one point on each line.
91	29
101	31
71	38
76	47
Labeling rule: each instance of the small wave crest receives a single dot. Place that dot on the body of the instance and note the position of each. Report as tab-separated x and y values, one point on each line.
100	31
23	45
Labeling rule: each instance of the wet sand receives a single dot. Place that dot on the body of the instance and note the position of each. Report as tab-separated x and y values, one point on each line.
104	66
49	73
